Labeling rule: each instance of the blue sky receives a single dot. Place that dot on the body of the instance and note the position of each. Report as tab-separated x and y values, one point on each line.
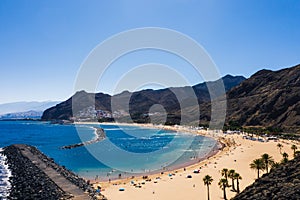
43	43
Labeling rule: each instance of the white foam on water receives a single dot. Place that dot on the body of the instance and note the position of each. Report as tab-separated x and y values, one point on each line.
5	174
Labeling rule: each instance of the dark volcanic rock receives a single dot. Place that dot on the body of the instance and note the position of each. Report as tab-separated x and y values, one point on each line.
268	98
63	111
282	183
140	102
28	181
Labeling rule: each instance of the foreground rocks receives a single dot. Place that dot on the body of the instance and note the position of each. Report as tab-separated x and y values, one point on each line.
36	176
282	183
28	182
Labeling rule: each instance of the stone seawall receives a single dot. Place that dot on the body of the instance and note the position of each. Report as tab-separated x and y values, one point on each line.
36	176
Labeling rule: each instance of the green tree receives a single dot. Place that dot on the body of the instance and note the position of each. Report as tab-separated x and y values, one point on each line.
223	184
294	148
258	164
285	157
279	146
224	173
275	165
207	181
231	175
237	177
268	160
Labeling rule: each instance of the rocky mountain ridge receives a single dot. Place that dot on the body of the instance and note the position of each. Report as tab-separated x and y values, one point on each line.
266	99
138	103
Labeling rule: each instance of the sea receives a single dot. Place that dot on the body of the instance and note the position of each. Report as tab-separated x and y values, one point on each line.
126	150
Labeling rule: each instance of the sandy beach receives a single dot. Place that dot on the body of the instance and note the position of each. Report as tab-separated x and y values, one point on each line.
178	186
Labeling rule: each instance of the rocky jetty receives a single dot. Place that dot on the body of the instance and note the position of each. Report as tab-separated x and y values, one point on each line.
36	176
281	183
100	135
28	181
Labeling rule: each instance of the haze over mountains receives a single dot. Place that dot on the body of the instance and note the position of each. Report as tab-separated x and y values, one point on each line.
267	98
20	110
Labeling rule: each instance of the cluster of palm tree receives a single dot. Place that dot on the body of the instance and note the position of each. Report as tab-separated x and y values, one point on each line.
293	147
223	182
263	163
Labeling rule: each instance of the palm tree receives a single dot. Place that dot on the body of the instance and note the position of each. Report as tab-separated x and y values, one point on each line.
231	175
207	181
257	164
224	173
223	184
285	157
237	177
275	165
294	148
279	145
268	160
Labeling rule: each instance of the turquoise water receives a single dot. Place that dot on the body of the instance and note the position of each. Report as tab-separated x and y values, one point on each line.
126	150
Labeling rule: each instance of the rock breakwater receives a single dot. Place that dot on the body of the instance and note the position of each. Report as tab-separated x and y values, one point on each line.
100	135
36	176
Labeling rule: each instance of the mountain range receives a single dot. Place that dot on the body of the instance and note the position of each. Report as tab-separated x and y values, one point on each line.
136	105
267	98
24	109
31	114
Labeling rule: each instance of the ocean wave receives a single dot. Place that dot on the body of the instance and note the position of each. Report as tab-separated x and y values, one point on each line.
112	129
5	174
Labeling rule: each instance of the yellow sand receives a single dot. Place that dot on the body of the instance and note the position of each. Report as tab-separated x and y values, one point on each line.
237	157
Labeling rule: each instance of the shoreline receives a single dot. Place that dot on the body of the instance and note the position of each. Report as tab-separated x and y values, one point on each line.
237	153
192	165
170	169
238	156
219	147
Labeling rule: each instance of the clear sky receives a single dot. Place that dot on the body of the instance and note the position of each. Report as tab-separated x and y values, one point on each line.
43	43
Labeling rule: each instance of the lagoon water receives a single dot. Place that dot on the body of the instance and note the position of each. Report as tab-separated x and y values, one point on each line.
126	150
